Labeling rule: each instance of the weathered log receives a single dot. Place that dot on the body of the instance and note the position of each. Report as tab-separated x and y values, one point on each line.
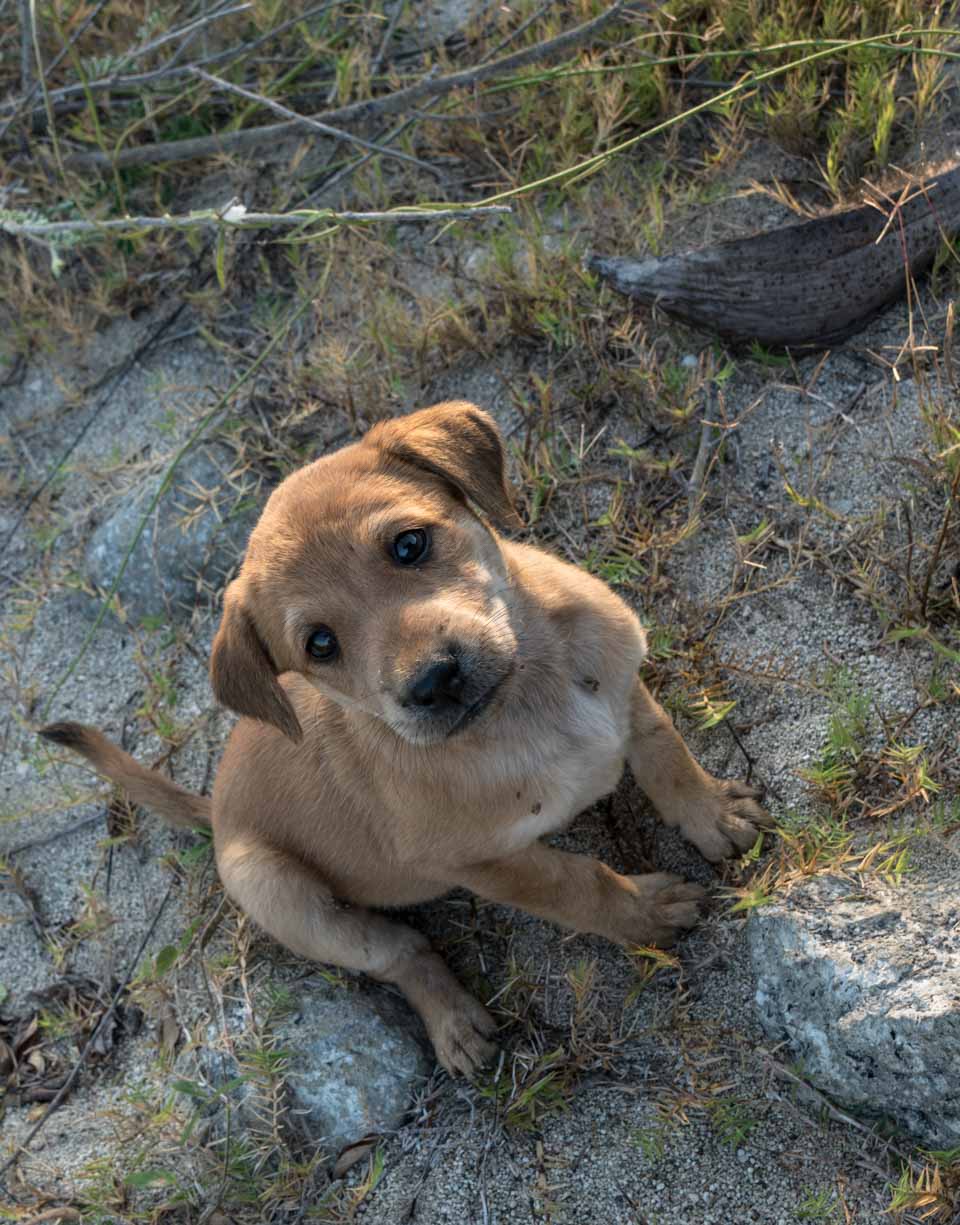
802	286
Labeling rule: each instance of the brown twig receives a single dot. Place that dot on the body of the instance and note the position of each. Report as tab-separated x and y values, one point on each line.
355	112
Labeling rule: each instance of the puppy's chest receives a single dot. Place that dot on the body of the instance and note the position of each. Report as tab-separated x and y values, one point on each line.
577	761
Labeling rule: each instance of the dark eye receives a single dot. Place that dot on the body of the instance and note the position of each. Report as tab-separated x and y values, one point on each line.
410	547
322	643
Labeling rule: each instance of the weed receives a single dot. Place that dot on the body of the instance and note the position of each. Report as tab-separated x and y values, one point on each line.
649	964
523	1097
652	1142
732	1120
835	775
931	1190
818	1206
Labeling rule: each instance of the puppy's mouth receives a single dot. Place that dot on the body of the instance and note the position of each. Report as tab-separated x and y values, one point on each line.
472	712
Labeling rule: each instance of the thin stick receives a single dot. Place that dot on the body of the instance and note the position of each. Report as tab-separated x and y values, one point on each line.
941	540
28	78
315	125
352	167
355	112
398	7
779	1070
235	217
695	485
695	492
78	1066
55	837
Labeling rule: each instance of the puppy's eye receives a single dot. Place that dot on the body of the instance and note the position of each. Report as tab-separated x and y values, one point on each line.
410	547
322	643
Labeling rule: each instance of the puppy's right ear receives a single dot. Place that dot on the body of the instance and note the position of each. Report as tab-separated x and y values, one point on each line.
243	675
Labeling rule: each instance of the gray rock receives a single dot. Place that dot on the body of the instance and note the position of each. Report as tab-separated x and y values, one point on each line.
193	539
352	1061
863	981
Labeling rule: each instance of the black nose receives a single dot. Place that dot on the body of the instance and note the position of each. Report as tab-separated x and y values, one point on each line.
439	684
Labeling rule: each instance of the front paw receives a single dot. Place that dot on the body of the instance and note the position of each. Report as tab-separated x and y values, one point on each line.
656	909
725	820
461	1033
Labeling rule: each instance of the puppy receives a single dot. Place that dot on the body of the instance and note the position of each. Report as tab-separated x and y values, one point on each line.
423	701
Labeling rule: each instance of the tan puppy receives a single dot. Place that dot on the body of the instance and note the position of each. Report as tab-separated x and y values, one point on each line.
423	702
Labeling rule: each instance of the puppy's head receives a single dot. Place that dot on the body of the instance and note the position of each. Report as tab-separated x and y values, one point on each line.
370	575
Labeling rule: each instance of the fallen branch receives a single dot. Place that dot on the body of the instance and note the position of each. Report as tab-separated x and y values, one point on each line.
811	284
234	217
355	112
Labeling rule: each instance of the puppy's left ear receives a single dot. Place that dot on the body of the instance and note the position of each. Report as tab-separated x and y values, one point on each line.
242	672
459	443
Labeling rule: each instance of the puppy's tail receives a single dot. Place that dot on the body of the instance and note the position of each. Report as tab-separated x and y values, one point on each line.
146	787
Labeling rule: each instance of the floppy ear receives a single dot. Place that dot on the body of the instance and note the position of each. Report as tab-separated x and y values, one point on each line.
461	444
243	675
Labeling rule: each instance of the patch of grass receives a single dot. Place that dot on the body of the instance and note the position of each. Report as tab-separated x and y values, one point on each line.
523	1096
929	1191
651	1141
733	1121
818	1206
849	725
649	964
862	105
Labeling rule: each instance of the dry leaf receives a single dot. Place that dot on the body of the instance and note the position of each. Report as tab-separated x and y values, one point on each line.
352	1154
169	1031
